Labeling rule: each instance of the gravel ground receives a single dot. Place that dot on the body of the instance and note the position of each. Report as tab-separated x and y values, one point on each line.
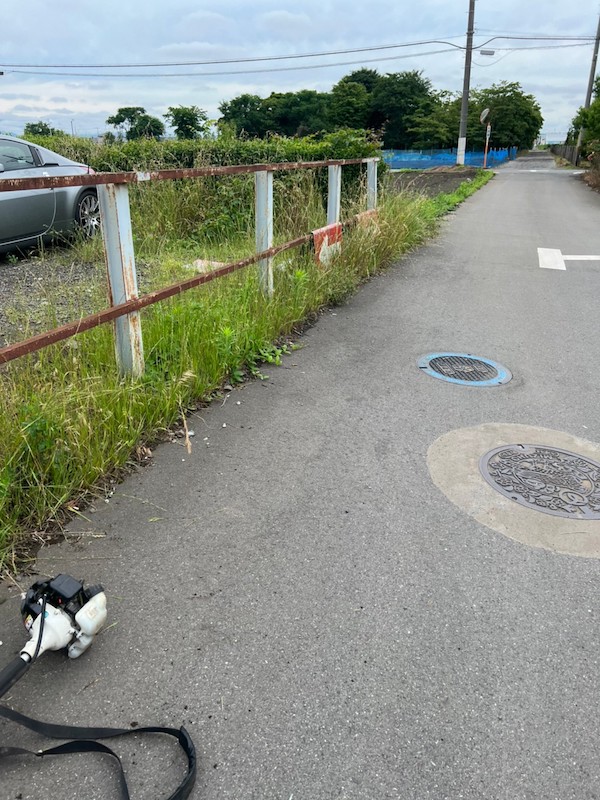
433	181
37	293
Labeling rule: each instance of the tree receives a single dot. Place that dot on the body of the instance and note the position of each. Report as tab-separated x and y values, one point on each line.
189	122
589	120
348	105
40	129
369	78
125	117
398	98
246	112
296	113
136	123
515	117
146	127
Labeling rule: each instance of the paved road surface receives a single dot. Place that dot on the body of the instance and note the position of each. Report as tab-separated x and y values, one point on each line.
315	593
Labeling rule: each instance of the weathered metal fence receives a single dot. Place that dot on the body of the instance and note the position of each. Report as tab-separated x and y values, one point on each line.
125	304
570	152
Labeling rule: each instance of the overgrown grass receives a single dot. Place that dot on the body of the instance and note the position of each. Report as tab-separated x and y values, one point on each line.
67	420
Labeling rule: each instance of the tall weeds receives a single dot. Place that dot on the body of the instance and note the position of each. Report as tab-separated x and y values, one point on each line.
67	420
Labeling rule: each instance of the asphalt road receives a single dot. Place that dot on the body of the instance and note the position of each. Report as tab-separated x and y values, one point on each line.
312	592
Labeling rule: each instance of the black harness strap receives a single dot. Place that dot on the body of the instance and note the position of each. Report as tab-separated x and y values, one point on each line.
85	742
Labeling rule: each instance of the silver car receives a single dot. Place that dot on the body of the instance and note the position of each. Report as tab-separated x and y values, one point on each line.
27	217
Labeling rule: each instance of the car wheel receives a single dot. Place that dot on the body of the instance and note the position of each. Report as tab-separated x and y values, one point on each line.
87	213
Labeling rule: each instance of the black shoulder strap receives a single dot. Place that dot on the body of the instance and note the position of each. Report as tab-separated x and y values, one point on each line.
85	743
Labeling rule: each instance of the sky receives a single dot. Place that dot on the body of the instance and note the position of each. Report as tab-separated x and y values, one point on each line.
43	35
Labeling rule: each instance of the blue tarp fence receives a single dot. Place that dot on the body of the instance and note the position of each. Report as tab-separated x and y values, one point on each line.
428	159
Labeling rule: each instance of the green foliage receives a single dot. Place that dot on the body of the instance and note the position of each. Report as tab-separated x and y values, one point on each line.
205	210
589	120
146	127
515	117
436	126
283	113
348	106
296	113
246	115
125	116
224	150
40	129
403	106
189	122
368	78
395	100
136	123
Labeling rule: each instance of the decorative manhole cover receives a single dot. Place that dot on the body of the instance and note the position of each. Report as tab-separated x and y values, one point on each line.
547	479
464	368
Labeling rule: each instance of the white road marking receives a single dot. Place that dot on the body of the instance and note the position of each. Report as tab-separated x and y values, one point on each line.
550	258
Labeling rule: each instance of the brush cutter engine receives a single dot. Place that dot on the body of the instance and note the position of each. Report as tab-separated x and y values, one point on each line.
62	613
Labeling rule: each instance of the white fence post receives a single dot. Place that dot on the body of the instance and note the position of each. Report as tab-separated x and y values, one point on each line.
120	264
263	215
334	193
371	185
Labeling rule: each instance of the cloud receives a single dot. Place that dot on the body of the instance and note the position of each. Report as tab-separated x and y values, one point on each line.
287	24
185	30
195	51
18	96
206	21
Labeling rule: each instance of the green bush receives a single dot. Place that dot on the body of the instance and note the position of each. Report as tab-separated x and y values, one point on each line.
204	210
144	154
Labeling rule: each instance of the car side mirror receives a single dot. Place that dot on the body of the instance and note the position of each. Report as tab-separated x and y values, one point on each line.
1	167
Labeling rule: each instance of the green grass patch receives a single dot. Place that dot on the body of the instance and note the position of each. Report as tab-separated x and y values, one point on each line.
68	420
444	203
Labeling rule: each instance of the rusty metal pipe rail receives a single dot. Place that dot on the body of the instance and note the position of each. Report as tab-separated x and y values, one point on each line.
125	304
103	178
19	349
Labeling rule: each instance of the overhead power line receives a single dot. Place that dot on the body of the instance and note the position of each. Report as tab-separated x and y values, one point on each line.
316	54
225	72
275	69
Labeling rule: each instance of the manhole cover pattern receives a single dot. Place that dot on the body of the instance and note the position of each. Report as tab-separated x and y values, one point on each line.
546	479
464	368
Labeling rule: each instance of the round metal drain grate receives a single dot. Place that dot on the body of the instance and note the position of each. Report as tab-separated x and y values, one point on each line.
464	368
547	479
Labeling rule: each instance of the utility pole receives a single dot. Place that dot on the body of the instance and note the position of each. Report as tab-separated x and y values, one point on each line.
588	97
464	105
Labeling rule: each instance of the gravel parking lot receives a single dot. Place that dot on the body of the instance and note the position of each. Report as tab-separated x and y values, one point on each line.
35	291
